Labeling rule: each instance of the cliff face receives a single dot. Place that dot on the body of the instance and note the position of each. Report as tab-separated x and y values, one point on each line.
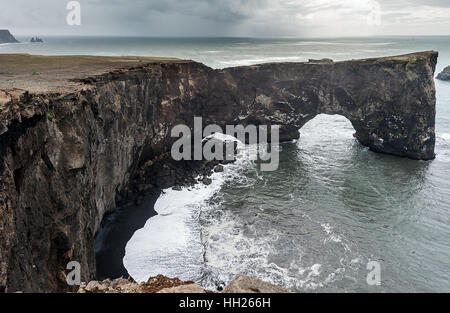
6	37
67	148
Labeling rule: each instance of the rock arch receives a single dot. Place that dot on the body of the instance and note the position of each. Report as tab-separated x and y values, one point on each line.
389	101
77	141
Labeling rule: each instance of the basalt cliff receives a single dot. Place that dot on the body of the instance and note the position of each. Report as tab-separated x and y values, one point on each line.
74	130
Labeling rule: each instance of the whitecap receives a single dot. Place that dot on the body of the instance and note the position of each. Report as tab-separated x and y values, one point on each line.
444	136
170	243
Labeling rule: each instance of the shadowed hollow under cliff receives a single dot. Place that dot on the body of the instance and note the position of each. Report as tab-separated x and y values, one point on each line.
74	129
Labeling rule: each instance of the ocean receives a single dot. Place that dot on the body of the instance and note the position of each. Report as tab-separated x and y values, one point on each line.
332	207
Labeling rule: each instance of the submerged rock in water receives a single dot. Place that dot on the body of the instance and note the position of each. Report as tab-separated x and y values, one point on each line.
207	181
445	74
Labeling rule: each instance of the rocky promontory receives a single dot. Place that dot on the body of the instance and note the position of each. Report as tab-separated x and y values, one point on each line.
6	37
445	74
76	130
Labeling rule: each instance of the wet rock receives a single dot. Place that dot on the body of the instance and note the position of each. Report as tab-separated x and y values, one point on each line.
207	181
219	169
177	188
246	284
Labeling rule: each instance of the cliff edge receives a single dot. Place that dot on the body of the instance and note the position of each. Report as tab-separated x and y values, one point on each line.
74	129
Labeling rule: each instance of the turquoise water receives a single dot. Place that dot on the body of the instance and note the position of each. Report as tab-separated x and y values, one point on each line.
332	206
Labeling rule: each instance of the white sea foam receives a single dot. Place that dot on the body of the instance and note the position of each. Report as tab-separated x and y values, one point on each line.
332	236
174	243
233	248
170	243
172	237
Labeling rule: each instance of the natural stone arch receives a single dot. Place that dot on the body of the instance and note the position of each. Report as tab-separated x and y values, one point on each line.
328	127
389	101
124	117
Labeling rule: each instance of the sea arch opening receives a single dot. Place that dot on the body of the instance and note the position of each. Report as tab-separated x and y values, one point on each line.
327	136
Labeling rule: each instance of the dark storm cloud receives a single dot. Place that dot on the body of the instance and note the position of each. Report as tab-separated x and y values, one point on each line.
230	17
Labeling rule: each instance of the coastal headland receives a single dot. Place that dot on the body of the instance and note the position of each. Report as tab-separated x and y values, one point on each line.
76	132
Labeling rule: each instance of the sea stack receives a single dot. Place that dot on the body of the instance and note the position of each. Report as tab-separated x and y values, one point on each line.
445	74
6	37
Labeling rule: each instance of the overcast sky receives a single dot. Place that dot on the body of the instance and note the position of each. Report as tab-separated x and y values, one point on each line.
240	18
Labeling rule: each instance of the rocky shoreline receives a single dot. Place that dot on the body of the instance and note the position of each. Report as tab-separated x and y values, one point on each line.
162	284
135	206
444	75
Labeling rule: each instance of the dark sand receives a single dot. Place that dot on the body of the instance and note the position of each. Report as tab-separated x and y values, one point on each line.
116	230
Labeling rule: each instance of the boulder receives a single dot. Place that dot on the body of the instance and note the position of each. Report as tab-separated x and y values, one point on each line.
445	74
246	284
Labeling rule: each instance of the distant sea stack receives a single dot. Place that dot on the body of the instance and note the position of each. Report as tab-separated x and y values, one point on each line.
445	74
73	137
36	39
6	37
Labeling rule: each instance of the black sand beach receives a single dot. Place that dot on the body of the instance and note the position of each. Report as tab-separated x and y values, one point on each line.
116	230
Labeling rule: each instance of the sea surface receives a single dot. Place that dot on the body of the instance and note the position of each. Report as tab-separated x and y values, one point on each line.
332	207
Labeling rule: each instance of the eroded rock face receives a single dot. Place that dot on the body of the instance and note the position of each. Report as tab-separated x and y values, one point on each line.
65	155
